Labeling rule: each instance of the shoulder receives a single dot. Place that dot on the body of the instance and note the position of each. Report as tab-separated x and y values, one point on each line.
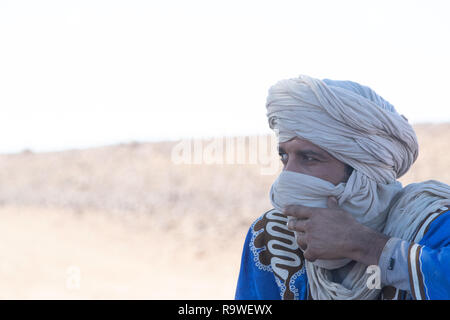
274	245
274	249
271	225
436	228
270	217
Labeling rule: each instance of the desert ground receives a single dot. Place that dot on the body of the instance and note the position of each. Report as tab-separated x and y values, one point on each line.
127	222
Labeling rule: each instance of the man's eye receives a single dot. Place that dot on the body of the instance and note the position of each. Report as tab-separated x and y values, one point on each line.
284	157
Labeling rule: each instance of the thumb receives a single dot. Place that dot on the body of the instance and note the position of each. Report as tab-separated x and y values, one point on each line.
332	203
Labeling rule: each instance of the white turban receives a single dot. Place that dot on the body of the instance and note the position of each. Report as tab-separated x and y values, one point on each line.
358	127
349	121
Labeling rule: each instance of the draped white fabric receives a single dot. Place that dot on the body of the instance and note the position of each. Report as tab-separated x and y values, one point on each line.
368	207
361	129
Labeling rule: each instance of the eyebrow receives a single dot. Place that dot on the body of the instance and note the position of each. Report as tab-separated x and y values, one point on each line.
304	152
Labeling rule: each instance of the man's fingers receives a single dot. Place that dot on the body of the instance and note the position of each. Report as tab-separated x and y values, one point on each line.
298	211
297	225
301	241
332	203
308	255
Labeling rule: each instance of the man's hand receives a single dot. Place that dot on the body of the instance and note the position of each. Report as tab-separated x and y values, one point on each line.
332	233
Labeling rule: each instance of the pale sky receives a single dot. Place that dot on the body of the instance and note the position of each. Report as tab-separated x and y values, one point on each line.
77	74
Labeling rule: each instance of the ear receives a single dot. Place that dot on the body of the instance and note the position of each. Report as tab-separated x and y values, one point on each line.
332	203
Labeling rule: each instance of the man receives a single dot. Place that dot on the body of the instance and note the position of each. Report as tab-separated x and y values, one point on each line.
338	207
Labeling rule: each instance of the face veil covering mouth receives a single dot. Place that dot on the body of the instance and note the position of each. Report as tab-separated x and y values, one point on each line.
361	129
292	188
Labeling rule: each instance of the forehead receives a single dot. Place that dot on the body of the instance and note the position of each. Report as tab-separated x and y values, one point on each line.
300	144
